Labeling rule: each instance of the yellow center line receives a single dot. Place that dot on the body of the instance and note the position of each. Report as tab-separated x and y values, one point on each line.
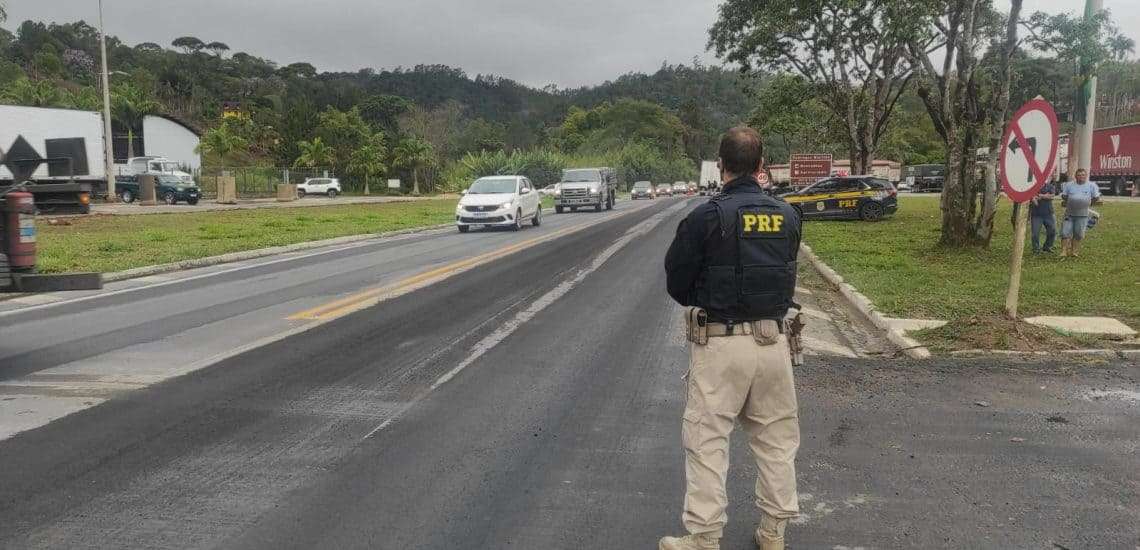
372	296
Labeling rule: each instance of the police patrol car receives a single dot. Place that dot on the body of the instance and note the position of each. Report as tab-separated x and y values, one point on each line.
858	197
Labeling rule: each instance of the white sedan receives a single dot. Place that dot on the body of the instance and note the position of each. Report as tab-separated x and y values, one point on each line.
499	201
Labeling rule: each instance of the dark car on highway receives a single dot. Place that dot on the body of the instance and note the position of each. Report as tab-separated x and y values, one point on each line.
167	188
643	190
853	197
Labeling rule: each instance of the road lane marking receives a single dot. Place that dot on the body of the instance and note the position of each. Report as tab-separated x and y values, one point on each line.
491	340
370	297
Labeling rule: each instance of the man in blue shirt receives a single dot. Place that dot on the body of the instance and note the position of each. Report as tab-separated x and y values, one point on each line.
1041	215
1076	197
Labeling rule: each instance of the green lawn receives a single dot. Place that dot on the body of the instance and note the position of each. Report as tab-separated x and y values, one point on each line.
899	266
115	243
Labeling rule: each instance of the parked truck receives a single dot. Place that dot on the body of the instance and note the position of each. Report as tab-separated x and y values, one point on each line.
925	177
1115	165
61	150
586	188
710	177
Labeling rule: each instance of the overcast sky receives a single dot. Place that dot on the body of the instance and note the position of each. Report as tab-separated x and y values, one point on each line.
537	42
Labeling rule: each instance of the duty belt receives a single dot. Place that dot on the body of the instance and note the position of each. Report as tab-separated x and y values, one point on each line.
717	329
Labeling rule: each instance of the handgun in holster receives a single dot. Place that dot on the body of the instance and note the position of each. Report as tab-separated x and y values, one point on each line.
795	326
697	320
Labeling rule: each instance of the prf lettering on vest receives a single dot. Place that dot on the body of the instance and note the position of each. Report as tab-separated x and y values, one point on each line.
761	223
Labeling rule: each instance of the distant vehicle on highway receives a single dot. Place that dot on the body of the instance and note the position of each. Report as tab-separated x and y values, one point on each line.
680	188
586	187
549	190
664	190
643	190
168	188
155	166
710	177
319	186
925	177
499	201
860	197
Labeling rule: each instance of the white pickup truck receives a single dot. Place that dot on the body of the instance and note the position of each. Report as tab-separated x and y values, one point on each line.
154	166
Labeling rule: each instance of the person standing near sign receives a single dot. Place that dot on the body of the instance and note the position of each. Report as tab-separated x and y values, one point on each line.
733	263
1077	197
1041	216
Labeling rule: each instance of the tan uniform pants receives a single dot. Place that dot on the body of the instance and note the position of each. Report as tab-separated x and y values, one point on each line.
735	377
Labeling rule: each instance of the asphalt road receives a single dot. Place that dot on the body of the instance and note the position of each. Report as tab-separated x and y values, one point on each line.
424	398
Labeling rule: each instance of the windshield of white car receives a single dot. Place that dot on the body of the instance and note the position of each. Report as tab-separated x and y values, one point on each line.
642	185
581	175
489	186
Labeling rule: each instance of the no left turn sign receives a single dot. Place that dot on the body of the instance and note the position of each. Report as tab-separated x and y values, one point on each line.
1029	150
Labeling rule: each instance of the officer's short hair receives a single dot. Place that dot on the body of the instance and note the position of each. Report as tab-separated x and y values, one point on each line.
741	150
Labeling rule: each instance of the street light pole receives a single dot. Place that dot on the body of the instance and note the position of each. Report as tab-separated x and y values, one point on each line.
1084	128
108	145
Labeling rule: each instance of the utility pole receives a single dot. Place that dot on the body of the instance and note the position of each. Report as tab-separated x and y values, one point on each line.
108	145
1085	113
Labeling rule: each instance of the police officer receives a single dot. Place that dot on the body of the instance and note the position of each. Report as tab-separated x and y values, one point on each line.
733	263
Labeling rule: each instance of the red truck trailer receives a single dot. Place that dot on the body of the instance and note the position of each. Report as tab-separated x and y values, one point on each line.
1115	158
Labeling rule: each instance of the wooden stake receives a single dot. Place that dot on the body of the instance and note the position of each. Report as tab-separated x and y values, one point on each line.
1015	263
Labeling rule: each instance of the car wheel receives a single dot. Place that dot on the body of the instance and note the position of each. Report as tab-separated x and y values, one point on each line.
331	193
537	219
127	197
872	211
192	202
610	203
300	193
598	207
557	209
463	228
573	208
168	197
518	221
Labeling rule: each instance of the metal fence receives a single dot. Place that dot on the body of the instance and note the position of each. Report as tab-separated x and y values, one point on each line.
257	181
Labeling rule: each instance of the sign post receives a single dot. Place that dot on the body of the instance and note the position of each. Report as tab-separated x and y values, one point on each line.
1028	154
806	169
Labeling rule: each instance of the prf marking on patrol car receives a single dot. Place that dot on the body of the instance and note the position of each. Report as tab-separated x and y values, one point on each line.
762	223
848	204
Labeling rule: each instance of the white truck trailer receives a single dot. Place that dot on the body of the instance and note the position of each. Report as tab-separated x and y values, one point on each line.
62	148
710	177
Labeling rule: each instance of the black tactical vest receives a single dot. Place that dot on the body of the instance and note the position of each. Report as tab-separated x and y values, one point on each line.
750	272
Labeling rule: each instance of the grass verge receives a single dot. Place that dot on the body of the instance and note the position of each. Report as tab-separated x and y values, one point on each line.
898	264
115	243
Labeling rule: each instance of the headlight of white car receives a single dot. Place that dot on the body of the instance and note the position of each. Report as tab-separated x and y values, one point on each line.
594	190
505	205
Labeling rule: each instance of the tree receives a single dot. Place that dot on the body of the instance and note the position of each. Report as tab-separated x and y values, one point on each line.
314	153
218	48
300	70
383	112
368	160
344	132
32	93
852	53
130	105
223	142
188	44
414	154
149	47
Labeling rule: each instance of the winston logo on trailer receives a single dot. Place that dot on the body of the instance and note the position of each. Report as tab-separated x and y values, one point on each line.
1115	161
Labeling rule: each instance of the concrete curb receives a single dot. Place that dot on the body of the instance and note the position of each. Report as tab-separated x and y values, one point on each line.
912	348
1131	354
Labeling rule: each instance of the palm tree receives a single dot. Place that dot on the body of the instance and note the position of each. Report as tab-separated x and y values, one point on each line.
223	142
414	153
314	153
130	105
368	160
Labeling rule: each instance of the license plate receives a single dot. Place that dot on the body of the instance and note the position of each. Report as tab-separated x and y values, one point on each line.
475	226
478	214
